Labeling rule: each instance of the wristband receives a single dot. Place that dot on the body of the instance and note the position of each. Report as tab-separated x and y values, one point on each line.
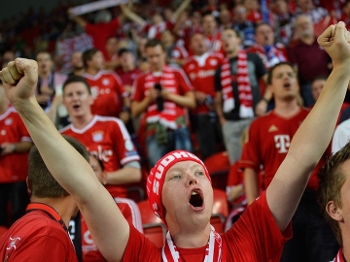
126	109
14	147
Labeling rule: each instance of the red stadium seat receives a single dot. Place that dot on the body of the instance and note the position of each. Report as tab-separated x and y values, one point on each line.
153	227
219	211
218	166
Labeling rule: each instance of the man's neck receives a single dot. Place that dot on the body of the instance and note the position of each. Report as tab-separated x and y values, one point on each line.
92	71
232	54
191	238
308	40
286	108
83	121
44	74
3	108
78	71
128	68
64	206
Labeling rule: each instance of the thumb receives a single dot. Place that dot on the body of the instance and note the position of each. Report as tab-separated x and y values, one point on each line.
28	68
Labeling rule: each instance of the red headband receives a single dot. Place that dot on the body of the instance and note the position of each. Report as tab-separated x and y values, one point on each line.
156	177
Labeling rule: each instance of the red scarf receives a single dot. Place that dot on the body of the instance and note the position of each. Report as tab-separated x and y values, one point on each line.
244	89
339	257
213	253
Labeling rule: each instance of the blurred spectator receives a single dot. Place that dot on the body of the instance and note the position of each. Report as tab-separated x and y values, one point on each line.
269	52
225	19
238	99
200	69
110	97
211	33
77	64
176	54
104	28
7	57
111	61
307	57
49	81
316	86
104	137
162	95
253	11
14	147
307	7
283	27
242	26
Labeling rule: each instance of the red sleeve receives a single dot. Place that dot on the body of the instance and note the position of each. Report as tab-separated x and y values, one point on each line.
119	86
140	248
255	236
235	177
250	154
138	92
184	83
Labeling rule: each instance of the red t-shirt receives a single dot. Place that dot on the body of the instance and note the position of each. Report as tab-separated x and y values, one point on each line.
12	130
108	91
37	237
108	140
128	78
254	237
201	71
269	138
100	32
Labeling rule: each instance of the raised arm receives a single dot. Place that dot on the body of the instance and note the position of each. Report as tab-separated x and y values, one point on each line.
180	9
132	15
106	223
314	135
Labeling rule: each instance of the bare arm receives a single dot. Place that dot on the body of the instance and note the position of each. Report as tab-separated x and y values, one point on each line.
180	9
186	100
138	107
218	107
250	184
67	166
13	148
313	136
132	15
125	175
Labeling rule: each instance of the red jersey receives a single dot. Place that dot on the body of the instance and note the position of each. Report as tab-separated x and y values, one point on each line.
254	237
107	91
176	82
37	236
12	130
108	140
100	32
201	70
129	77
155	31
214	43
269	138
129	210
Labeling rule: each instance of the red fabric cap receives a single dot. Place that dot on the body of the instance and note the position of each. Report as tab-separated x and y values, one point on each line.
156	177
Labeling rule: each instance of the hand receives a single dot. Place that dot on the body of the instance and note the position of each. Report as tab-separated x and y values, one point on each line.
335	40
200	96
20	78
261	108
6	149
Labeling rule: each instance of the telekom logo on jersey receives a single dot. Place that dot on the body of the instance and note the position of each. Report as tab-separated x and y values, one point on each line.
102	154
164	163
282	143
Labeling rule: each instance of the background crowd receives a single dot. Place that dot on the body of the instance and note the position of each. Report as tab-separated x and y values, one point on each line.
138	80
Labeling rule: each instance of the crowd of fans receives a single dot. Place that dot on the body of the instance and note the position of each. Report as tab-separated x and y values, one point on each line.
152	77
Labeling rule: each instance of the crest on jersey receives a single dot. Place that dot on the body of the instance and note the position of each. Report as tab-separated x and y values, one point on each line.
213	62
192	76
129	146
97	136
105	81
8	121
12	244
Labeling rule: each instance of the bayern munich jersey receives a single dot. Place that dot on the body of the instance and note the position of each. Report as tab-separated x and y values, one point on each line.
269	139
108	92
201	70
108	139
12	130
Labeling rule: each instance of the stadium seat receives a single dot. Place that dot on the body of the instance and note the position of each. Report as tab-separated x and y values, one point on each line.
219	211
153	227
218	166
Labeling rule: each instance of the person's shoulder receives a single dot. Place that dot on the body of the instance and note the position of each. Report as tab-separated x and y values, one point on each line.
108	120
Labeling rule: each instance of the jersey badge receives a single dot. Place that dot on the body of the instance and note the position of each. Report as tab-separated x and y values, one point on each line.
8	121
97	136
272	128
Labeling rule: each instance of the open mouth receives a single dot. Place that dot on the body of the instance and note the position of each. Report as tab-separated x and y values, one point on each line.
76	106
196	199
287	85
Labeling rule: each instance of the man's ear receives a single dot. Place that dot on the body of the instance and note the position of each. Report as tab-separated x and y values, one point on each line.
334	211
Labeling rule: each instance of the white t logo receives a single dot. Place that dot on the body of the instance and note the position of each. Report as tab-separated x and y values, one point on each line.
282	143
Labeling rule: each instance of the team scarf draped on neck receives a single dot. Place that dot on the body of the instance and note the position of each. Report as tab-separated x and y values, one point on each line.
339	257
244	89
213	252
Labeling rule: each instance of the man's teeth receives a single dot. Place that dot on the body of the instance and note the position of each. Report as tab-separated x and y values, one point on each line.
194	193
